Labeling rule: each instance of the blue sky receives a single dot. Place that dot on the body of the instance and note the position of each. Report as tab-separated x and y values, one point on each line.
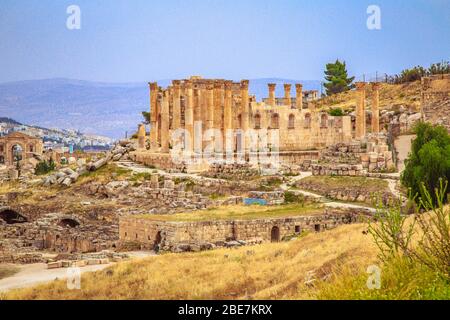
142	40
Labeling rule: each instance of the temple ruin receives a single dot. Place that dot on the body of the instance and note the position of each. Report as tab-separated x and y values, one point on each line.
214	117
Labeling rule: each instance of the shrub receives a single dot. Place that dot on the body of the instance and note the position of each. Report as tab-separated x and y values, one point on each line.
292	197
336	112
44	167
429	159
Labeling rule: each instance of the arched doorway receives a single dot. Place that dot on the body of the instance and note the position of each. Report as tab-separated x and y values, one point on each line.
68	223
17	152
275	234
12	217
158	240
2	160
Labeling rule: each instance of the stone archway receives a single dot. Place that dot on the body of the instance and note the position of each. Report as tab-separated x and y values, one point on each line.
157	242
275	234
68	223
12	217
17	152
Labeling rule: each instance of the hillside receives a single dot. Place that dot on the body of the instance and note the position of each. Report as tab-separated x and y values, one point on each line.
392	96
108	109
268	271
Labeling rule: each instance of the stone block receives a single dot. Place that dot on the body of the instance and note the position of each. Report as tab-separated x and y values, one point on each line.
54	265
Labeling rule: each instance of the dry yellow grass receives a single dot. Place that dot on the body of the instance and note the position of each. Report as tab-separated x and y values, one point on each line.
268	271
407	94
240	212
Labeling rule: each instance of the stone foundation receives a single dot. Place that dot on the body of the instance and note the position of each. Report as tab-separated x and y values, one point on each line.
199	235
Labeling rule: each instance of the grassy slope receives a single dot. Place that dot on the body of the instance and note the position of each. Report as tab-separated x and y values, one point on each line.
340	182
240	212
268	271
407	94
7	271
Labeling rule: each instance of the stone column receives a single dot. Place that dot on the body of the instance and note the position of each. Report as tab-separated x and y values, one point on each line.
189	116
299	96
375	107
165	122
218	114
272	94
153	86
210	106
176	109
141	137
227	116
287	94
360	110
245	114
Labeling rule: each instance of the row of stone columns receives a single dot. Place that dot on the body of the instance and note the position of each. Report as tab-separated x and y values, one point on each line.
287	95
208	104
360	130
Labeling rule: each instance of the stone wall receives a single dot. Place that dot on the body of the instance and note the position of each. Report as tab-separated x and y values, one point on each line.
199	235
436	99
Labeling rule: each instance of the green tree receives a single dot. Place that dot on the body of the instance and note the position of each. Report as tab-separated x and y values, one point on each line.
146	116
337	78
429	159
336	112
439	68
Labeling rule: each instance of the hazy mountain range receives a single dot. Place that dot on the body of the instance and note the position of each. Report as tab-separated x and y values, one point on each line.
108	109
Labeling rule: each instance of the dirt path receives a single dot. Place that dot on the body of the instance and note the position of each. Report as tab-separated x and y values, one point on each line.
36	273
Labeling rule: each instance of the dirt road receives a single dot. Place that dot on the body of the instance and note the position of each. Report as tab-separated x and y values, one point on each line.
32	274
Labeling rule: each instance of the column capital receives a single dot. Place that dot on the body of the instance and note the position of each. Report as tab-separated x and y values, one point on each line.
244	84
218	84
271	86
153	85
287	86
176	84
360	85
228	84
376	85
187	84
298	86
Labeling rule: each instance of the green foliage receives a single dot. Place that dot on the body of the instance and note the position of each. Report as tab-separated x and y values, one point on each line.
292	197
434	246
414	74
439	68
337	78
429	159
401	279
146	116
336	112
393	235
389	232
44	167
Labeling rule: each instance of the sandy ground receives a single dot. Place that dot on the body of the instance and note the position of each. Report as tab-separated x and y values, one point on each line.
32	274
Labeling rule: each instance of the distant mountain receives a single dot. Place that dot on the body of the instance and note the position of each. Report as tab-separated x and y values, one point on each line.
108	109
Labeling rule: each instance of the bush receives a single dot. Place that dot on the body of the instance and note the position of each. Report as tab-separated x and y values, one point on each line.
336	112
292	197
44	167
393	235
429	160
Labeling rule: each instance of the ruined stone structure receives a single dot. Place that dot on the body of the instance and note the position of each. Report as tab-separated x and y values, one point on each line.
198	235
435	96
221	117
18	145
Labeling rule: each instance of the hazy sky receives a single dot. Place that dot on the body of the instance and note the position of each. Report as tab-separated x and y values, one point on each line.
142	40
